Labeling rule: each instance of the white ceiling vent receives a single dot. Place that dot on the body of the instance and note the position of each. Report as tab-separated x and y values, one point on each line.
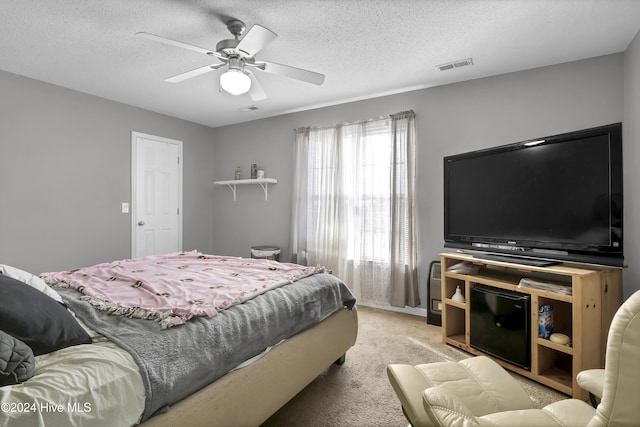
455	64
250	108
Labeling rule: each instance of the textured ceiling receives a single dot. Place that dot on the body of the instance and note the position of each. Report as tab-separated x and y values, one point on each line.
366	48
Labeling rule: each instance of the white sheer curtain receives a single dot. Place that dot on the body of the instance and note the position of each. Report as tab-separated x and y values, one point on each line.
353	206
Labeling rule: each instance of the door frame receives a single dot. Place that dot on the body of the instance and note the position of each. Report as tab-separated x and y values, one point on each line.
134	183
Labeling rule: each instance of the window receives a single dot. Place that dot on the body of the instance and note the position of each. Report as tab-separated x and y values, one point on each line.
353	200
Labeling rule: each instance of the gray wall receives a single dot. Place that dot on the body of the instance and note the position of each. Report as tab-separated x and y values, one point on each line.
631	153
66	159
450	119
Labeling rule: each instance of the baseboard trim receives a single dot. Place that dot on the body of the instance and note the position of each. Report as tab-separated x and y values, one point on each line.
416	311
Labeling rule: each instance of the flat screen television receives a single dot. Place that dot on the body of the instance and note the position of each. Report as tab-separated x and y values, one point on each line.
544	201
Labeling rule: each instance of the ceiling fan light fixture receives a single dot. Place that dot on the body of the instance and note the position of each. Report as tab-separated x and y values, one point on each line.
235	81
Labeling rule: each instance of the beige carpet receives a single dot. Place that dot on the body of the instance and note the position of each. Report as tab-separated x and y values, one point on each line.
358	392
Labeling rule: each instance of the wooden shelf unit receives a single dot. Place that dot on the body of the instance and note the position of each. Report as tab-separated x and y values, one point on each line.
584	316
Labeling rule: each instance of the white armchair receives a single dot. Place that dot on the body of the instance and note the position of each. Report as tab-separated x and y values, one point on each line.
478	392
592	380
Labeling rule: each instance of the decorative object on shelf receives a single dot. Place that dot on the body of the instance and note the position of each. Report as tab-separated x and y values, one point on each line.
559	339
545	321
458	297
254	171
260	174
238	174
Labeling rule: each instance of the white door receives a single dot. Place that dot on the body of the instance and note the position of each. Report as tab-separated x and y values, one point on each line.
156	211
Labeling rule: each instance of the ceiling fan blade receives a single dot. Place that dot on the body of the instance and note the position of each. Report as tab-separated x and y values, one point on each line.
179	44
193	73
293	72
255	40
256	92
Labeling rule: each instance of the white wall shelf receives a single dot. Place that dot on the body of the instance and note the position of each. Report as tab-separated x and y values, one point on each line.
262	182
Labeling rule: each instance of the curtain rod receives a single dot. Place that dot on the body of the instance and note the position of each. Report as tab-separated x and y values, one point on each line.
399	115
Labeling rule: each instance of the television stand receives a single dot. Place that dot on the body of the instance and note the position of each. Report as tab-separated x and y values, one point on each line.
583	314
514	259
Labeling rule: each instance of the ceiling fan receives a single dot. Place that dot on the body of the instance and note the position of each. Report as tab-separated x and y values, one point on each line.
237	56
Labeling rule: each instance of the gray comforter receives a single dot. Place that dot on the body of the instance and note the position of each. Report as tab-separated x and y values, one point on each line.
178	361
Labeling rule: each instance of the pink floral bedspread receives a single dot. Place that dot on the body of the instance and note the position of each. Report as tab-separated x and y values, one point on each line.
173	288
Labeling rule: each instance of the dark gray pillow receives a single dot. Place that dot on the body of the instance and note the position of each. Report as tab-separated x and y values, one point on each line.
36	319
17	362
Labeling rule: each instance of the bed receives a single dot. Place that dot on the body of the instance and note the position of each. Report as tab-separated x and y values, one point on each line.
230	359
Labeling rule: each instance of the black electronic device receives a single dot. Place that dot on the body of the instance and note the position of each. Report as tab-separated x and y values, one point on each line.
434	294
553	199
501	324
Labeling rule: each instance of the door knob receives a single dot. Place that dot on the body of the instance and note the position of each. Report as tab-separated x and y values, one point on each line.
140	223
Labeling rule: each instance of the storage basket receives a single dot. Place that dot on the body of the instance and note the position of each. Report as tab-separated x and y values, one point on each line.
266	252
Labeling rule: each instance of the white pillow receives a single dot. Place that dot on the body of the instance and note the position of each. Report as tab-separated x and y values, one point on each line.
31	280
